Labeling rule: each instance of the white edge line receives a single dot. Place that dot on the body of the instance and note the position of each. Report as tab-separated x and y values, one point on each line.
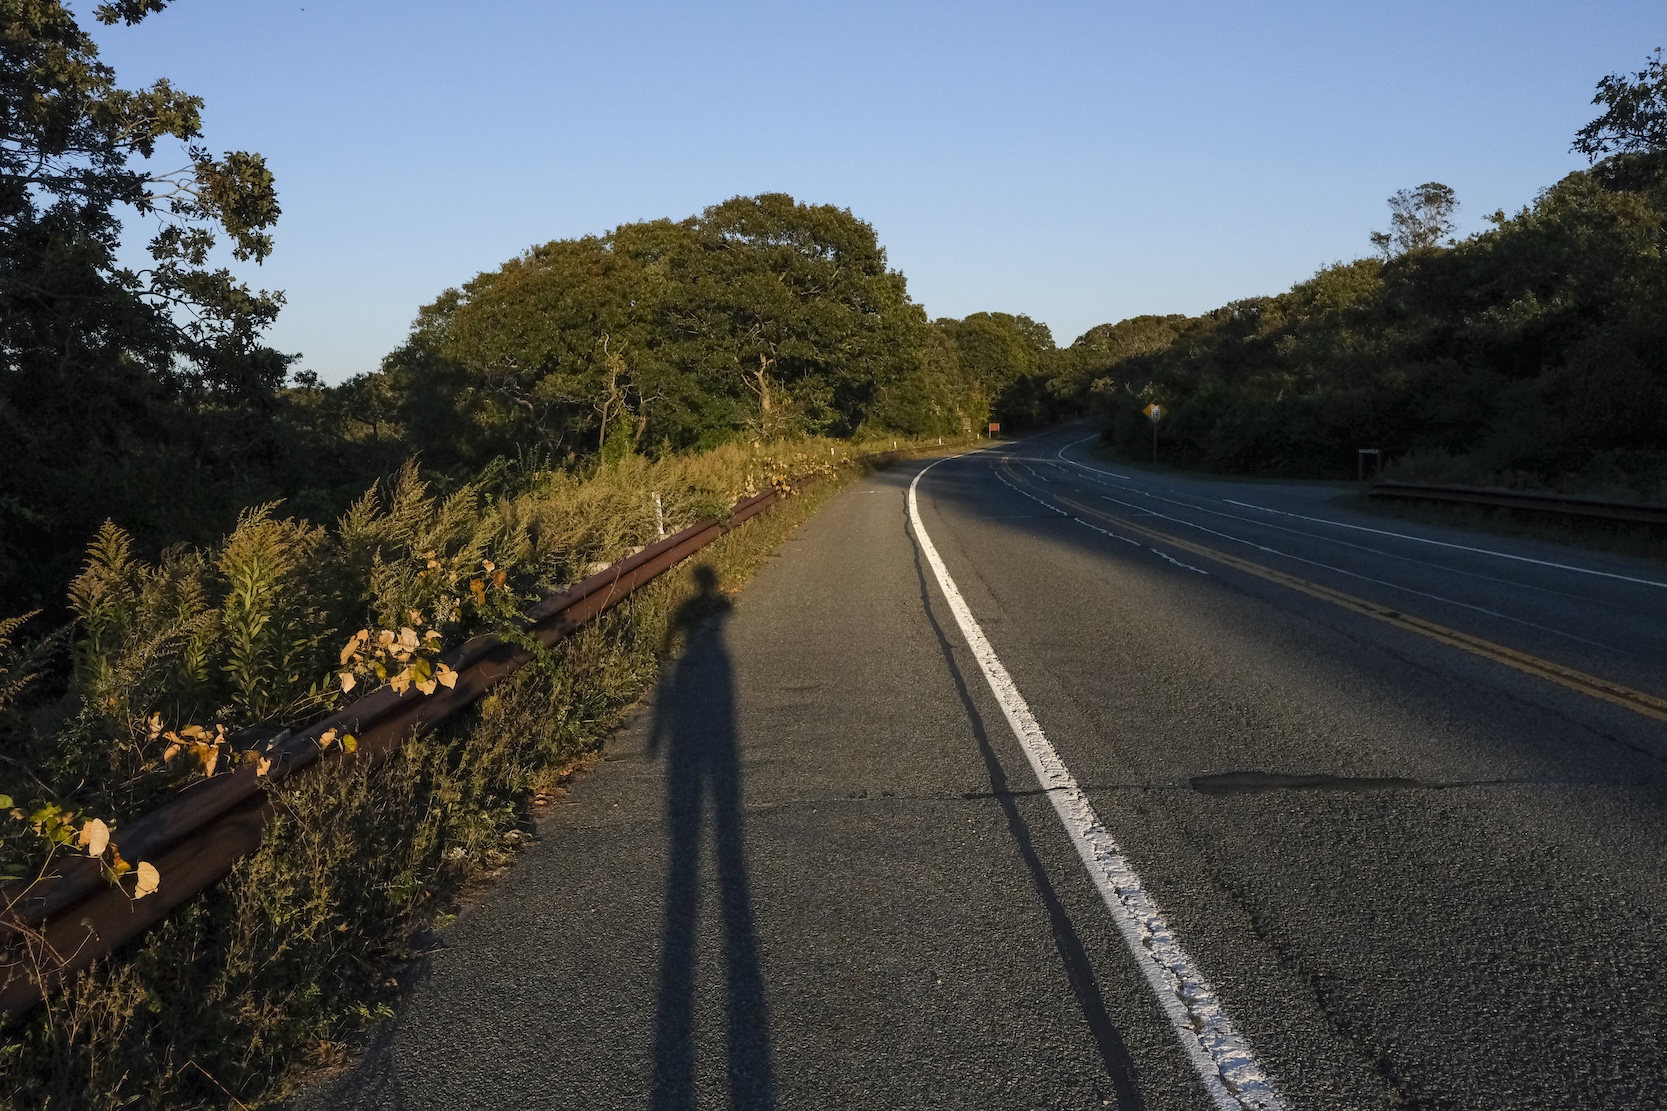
1224	1061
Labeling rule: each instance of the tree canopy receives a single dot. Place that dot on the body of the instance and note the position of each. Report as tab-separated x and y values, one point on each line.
1419	219
112	375
1534	351
761	316
1635	114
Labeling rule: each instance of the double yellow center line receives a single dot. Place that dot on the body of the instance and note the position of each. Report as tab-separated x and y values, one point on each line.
1635	700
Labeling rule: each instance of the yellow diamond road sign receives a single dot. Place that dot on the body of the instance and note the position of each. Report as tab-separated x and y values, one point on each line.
1154	411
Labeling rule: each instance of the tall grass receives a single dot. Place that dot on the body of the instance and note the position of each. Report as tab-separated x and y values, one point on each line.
276	968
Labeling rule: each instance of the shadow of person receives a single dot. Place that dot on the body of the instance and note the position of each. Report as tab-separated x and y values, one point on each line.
695	723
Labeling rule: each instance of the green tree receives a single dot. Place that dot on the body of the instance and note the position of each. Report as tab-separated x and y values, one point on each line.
1013	359
559	343
117	383
1634	119
1418	219
1090	365
760	315
794	304
938	396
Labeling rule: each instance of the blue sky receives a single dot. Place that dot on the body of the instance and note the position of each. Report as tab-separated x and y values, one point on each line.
1078	162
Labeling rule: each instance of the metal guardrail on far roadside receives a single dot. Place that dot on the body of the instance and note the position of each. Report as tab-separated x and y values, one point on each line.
72	916
1600	508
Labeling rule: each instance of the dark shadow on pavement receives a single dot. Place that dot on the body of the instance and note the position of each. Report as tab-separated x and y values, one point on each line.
695	727
1073	956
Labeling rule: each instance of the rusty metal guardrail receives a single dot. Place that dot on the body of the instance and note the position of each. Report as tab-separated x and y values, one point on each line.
1601	508
70	917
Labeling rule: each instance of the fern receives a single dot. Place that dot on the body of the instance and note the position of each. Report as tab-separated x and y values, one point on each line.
102	597
16	671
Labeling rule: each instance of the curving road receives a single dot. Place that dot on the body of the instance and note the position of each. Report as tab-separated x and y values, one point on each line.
1334	812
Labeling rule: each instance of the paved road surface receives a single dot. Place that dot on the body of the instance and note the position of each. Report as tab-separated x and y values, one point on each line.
1394	793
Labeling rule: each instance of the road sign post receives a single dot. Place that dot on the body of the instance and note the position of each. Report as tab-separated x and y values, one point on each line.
1154	413
1360	461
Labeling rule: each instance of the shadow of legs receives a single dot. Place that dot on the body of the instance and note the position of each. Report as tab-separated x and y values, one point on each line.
696	721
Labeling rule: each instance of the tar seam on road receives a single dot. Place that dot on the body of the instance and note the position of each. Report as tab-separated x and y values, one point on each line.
1230	1073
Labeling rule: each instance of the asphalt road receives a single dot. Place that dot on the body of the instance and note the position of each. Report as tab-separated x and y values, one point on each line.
1397	791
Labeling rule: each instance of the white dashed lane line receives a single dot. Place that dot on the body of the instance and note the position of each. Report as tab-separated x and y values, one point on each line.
1165	556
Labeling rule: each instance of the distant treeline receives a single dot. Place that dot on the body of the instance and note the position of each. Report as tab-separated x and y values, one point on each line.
1532	353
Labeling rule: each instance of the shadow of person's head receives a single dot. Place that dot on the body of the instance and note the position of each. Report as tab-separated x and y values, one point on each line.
708	601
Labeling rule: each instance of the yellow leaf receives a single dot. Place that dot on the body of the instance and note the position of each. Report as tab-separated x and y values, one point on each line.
384	638
408	638
96	836
448	677
211	757
417	618
170	752
400	682
155	724
263	765
427	686
149	878
327	738
350	743
489	565
348	681
349	650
